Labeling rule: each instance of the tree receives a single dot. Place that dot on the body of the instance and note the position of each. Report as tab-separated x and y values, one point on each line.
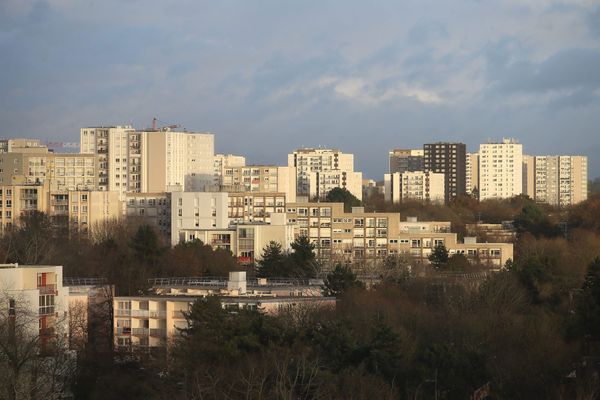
146	246
589	303
439	256
273	261
341	195
302	259
340	280
532	219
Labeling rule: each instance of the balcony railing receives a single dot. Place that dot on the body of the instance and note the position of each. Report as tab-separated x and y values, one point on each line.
158	332
47	289
140	331
123	312
123	330
157	314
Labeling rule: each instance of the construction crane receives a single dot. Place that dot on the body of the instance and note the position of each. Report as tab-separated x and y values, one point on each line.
156	128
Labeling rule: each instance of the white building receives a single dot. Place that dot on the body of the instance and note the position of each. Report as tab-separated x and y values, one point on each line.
321	182
150	161
260	178
197	210
500	169
560	180
35	293
419	185
308	160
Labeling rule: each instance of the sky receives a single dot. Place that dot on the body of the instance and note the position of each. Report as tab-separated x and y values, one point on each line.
271	76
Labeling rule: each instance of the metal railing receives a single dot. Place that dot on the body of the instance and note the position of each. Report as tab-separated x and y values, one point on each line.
75	281
47	289
140	331
219	282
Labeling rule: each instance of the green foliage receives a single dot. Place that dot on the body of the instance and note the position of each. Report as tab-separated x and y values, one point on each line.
340	280
341	195
439	256
588	305
302	259
272	262
532	219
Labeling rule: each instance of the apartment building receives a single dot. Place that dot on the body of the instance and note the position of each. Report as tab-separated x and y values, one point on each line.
413	225
472	174
245	241
66	171
34	294
405	161
153	322
153	209
500	169
559	180
308	160
151	160
339	236
260	178
320	183
245	207
197	210
21	145
448	159
223	161
423	186
80	210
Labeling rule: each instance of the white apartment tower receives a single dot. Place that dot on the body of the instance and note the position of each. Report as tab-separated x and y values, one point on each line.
500	169
150	161
311	160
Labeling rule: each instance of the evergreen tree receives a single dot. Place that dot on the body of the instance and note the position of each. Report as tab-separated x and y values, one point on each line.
340	280
589	304
439	256
341	195
272	262
302	260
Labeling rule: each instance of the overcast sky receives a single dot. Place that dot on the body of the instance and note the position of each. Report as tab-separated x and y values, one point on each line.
271	76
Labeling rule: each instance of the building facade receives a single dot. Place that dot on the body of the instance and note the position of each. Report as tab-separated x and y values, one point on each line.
260	178
223	161
560	180
423	186
320	183
197	210
245	207
309	160
448	159
405	161
472	174
500	169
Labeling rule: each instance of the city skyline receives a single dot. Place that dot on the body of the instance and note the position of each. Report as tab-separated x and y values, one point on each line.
269	79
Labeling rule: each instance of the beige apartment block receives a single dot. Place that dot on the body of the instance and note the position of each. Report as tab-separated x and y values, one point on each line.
21	145
560	180
338	236
412	225
500	170
320	183
80	210
472	173
150	161
66	171
221	163
309	160
153	209
260	178
153	322
529	176
245	207
245	241
36	293
423	186
197	210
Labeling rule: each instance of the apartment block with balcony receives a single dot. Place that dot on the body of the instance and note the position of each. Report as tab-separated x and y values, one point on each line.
500	169
245	207
221	163
320	183
357	237
36	294
245	241
312	160
425	186
153	322
558	180
260	178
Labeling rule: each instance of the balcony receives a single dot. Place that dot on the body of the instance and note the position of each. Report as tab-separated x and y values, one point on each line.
123	331
179	314
157	314
123	312
47	289
158	332
140	331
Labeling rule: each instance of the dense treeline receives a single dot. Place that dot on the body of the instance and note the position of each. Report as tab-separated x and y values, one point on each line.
530	332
